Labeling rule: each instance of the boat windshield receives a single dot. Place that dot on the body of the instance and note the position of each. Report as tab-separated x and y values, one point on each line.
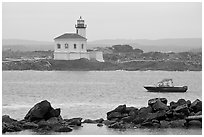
165	83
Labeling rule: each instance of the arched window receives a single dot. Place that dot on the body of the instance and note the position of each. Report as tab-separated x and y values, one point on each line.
75	46
58	46
66	46
82	46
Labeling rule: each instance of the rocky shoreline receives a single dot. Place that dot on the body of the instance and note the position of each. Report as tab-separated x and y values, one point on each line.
158	114
87	65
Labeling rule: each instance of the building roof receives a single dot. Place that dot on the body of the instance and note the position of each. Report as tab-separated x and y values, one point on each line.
70	36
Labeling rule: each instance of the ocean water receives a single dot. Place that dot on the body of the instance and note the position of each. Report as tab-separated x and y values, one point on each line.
91	94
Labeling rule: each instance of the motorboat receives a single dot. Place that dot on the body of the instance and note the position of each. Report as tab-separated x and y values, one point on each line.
166	85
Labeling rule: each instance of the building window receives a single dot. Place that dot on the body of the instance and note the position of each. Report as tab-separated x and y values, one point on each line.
82	46
58	46
77	31
74	46
66	46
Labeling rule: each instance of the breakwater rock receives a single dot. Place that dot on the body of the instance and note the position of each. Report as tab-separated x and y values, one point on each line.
158	114
41	117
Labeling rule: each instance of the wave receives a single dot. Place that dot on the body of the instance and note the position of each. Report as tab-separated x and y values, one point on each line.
15	106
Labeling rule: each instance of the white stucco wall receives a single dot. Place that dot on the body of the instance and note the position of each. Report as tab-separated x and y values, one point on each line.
71	53
74	55
61	56
70	56
97	55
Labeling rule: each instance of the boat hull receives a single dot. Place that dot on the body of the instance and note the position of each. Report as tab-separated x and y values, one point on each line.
166	89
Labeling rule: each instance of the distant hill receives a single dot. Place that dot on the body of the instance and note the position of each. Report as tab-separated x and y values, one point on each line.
162	45
26	45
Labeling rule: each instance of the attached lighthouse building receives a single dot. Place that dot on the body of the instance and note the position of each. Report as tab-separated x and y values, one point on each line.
72	46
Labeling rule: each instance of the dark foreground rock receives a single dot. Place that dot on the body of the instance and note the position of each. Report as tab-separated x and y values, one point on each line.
42	110
156	115
180	114
41	117
96	121
10	125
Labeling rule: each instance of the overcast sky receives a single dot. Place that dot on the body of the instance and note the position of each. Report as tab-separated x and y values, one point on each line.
44	21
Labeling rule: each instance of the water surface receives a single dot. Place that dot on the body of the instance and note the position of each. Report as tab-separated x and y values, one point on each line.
90	94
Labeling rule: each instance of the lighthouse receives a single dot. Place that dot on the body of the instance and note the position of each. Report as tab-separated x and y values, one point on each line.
72	46
81	27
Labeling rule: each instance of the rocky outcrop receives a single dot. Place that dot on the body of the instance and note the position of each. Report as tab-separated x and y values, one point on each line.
42	110
157	114
96	121
196	106
73	121
10	125
114	63
41	117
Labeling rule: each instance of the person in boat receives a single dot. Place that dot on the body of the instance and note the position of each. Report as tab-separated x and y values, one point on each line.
165	83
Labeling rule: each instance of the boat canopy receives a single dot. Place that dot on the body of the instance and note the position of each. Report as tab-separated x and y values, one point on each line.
165	83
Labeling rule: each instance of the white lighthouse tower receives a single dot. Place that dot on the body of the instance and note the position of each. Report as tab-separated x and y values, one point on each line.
72	46
81	27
